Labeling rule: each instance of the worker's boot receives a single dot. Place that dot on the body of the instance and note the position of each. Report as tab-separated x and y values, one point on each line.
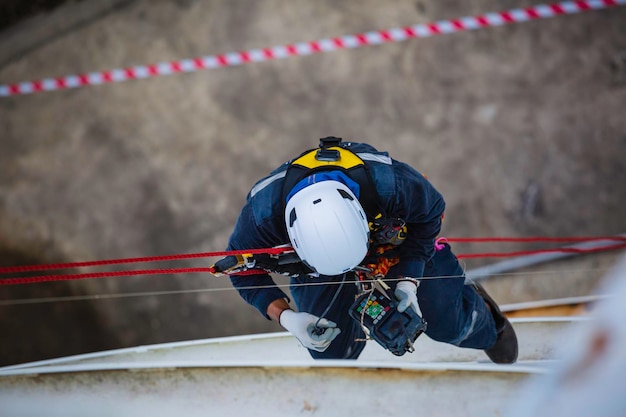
505	349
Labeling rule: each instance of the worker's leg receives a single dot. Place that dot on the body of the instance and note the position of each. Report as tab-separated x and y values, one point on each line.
313	295
455	313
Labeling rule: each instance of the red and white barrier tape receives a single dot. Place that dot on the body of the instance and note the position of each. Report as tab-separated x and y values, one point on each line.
306	48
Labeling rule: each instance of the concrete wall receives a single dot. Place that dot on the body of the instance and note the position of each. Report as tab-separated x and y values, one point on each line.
521	127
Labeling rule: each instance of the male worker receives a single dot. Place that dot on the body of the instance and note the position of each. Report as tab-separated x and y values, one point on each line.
340	207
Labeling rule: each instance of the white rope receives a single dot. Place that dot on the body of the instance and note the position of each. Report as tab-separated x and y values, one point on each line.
93	297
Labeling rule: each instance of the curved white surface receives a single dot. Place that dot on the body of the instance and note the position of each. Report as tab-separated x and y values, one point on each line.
328	389
271	374
538	338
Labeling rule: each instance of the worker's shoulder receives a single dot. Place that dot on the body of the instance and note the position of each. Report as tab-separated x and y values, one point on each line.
391	175
365	150
270	186
264	200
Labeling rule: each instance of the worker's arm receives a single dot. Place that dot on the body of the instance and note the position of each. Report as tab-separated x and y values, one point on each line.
421	206
275	308
258	290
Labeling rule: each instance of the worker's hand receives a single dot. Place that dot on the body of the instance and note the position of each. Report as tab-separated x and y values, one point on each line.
303	327
406	293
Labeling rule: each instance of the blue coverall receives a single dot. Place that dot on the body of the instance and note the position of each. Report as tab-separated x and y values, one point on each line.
455	313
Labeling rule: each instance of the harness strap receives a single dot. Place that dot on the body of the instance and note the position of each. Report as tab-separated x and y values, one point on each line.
332	155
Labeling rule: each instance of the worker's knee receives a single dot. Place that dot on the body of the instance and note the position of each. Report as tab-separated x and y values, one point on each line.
471	325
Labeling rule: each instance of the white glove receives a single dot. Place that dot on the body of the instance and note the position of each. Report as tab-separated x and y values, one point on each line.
302	326
406	293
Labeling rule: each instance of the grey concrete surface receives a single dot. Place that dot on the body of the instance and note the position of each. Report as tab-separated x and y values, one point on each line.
521	127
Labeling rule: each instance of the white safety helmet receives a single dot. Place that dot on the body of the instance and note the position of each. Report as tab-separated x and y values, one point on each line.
327	227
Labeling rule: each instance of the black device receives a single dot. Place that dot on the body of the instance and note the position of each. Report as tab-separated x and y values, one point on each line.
393	330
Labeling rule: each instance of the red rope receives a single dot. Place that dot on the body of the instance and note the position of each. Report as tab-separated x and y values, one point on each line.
68	277
534	239
69	265
65	277
539	251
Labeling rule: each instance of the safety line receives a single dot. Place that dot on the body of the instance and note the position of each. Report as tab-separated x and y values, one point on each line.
538	251
69	265
281	249
41	300
533	239
210	270
107	274
424	30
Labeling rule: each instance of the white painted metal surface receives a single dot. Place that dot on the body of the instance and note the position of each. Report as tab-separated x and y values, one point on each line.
538	338
555	302
326	389
271	374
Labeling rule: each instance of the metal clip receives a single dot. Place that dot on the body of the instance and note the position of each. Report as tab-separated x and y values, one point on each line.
234	263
